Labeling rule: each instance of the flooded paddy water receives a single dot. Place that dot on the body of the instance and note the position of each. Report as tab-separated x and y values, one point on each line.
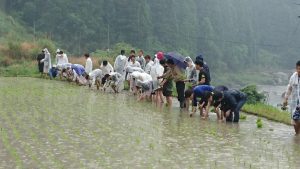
51	124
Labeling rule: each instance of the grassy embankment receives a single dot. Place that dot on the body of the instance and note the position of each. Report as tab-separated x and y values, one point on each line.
268	112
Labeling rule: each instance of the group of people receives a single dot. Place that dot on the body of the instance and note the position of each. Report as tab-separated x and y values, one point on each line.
152	79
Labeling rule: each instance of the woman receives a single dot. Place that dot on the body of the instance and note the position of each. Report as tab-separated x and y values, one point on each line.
293	89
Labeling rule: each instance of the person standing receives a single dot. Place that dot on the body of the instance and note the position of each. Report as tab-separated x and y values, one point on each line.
167	83
133	62
88	64
205	66
293	91
46	61
141	59
120	63
40	57
191	72
179	78
149	63
61	58
203	75
156	71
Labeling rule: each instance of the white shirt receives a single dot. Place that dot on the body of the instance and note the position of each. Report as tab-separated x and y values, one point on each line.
95	74
88	65
135	64
61	59
148	66
120	64
107	69
144	77
156	70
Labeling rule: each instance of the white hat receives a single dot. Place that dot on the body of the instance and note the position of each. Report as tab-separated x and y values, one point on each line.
58	50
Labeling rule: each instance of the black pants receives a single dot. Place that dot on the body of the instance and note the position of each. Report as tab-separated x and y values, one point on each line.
236	117
180	87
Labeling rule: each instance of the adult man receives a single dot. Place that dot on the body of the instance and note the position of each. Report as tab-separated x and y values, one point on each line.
205	66
293	90
179	78
203	75
120	63
231	103
40	57
202	93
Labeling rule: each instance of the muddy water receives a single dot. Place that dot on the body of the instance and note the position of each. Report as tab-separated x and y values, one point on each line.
48	124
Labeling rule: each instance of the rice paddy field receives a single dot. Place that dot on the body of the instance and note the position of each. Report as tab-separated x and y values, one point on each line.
53	124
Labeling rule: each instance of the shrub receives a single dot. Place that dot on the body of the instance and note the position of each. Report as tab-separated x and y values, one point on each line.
6	61
15	50
254	96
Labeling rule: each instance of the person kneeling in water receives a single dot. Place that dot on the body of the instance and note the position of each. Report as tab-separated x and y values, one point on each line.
202	92
94	78
231	102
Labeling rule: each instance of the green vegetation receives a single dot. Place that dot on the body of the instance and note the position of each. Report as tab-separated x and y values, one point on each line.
259	123
234	36
255	105
269	112
253	96
243	117
25	69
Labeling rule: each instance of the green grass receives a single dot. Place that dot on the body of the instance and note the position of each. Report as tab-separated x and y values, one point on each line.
25	69
269	112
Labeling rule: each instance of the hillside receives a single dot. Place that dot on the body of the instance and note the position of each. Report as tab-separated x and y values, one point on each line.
232	34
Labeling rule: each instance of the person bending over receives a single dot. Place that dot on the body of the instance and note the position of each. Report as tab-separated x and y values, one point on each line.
200	96
231	102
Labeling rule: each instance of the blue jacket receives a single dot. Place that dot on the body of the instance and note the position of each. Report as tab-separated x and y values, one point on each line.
79	69
199	92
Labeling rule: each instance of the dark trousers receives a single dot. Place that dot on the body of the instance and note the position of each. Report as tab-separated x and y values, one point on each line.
236	113
180	87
